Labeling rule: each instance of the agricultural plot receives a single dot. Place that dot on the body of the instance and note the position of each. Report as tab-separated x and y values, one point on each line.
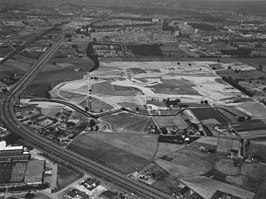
258	148
106	88
167	148
66	176
31	54
105	153
171	121
140	145
38	90
5	50
97	105
254	134
132	106
136	71
208	113
167	183
10	30
46	80
262	191
189	161
242	75
249	125
255	109
145	50
16	65
206	187
126	123
65	51
73	97
175	86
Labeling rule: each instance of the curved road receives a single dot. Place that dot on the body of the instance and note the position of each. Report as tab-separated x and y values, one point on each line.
63	155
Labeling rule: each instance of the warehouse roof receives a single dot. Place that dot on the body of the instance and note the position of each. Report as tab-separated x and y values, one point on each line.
34	173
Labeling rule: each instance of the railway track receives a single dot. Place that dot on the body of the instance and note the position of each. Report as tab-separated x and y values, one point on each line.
60	154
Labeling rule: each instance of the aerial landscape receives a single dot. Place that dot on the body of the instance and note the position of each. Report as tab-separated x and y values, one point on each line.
120	99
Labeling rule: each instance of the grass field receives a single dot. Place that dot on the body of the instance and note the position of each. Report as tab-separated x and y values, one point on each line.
250	125
171	121
254	61
126	122
17	65
97	105
66	176
4	50
226	166
46	80
73	97
145	50
175	86
189	161
256	109
137	70
206	187
261	194
208	113
106	88
107	152
258	148
242	75
38	90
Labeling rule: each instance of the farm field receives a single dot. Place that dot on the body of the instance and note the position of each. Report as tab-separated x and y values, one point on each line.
242	75
45	81
5	50
262	191
108	153
254	61
106	88
140	145
97	105
145	50
73	97
16	65
38	90
167	148
175	86
208	113
129	123
258	147
206	187
189	161
66	177
254	109
249	125
171	121
254	134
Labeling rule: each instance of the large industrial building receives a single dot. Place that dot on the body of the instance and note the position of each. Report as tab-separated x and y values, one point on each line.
16	168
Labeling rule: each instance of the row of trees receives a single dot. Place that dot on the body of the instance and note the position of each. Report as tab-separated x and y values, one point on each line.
236	84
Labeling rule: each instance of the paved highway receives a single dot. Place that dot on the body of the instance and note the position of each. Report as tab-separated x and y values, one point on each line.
63	155
25	45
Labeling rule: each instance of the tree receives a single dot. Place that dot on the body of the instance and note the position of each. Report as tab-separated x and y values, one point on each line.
68	35
29	195
137	109
92	123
